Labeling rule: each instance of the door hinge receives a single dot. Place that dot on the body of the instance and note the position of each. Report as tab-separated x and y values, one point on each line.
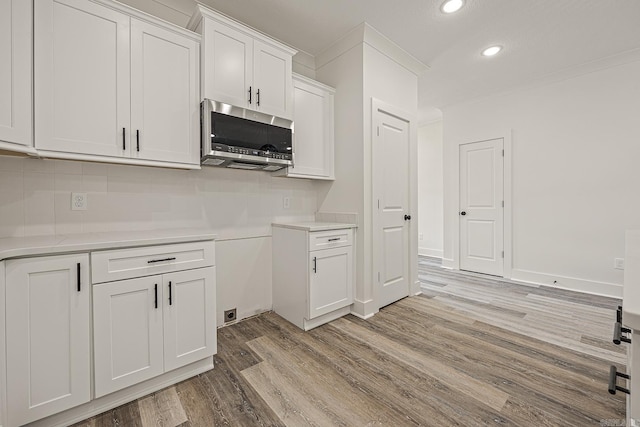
378	130
502	153
378	277
502	254
378	203
503	203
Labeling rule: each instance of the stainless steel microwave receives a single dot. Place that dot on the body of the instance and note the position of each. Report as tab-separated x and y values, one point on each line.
239	138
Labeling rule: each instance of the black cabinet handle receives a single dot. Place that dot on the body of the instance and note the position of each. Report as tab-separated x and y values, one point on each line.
315	266
78	272
137	140
258	96
613	376
161	260
170	293
335	239
618	330
249	94
407	217
156	297
124	141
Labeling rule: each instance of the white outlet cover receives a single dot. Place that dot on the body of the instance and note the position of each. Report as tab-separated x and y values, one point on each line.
618	263
286	202
78	201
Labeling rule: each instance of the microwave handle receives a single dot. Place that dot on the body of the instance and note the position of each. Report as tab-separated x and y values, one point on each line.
206	109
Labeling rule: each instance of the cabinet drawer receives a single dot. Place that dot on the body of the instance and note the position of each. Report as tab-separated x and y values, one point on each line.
330	239
107	266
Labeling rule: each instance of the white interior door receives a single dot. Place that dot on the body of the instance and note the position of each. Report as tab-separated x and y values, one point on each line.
481	207
391	198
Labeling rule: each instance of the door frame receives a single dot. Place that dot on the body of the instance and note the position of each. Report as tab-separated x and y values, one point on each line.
414	284
507	145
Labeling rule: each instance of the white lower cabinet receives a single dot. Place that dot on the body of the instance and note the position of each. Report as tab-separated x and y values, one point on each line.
330	280
127	328
313	274
146	326
47	336
153	324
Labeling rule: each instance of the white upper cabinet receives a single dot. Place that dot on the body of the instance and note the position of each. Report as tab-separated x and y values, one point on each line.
81	78
108	84
313	137
165	99
15	74
243	67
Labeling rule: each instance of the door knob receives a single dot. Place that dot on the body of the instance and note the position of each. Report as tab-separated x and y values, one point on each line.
463	213
407	217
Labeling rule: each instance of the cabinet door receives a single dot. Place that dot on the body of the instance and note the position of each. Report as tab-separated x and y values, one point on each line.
313	137
228	65
331	280
272	77
165	99
127	333
189	316
81	78
48	344
15	71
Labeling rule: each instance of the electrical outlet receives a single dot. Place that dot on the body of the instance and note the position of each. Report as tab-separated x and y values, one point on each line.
421	236
78	201
286	202
618	263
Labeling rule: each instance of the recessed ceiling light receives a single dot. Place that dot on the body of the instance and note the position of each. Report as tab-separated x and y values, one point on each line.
451	6
490	51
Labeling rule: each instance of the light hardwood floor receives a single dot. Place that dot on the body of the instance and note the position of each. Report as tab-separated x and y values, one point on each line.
472	351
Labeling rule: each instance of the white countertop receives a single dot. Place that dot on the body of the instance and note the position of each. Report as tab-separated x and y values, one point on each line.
14	247
314	226
631	289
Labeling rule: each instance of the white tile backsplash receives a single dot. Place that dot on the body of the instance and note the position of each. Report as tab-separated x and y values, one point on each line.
35	198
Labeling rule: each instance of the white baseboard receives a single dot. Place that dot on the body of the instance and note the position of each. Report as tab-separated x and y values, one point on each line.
571	283
364	309
448	263
434	253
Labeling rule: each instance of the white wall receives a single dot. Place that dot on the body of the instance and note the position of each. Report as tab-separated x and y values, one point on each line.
430	190
35	199
576	150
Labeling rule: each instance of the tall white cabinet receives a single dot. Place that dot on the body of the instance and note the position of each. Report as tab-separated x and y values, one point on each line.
242	67
47	336
15	75
113	83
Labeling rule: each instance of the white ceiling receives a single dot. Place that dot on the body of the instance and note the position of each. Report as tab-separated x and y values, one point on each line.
540	37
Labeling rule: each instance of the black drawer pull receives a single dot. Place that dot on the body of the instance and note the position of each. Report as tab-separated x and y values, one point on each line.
613	376
161	260
335	239
618	330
